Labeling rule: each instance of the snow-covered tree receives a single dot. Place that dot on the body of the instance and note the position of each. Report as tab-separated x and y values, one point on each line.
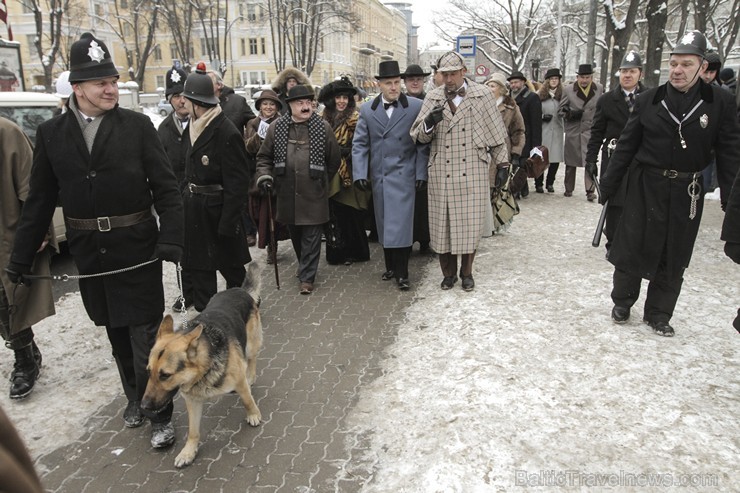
47	16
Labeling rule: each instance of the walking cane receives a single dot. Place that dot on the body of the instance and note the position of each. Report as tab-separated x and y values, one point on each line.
273	242
602	217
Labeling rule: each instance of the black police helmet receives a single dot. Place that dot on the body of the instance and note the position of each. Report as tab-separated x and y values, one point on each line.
199	88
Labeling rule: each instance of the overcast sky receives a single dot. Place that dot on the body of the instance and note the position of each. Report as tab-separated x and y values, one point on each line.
423	17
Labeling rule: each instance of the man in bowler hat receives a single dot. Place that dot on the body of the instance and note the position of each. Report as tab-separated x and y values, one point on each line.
107	167
414	79
531	108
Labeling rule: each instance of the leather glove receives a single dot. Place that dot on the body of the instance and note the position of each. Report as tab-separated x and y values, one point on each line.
603	196
732	250
546	117
502	174
363	185
434	117
421	185
17	273
575	115
266	186
592	169
168	252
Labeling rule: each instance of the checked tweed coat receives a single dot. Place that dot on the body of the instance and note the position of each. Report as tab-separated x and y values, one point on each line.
464	147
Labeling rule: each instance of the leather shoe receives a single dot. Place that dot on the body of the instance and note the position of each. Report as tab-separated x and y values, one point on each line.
590	196
661	328
132	416
388	275
550	189
163	435
539	189
403	284
620	314
306	287
448	282
468	283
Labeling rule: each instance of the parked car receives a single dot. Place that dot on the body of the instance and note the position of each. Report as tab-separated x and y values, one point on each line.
29	110
164	108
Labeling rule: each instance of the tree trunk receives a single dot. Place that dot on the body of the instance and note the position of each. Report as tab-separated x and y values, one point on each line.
657	17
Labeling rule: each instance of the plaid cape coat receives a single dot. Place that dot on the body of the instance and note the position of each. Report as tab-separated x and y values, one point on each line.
464	148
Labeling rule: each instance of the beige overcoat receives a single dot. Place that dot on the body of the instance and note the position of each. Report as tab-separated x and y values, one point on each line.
464	147
16	157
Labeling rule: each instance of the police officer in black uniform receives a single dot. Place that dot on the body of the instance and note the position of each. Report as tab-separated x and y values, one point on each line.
612	110
668	141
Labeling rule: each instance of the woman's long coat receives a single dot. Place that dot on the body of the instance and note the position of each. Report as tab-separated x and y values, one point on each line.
214	228
655	222
553	132
515	128
578	131
464	146
34	303
384	153
127	172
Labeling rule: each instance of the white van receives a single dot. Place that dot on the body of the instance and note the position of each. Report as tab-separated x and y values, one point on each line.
29	110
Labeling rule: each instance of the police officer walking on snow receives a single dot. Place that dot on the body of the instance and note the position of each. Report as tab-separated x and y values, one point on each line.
668	141
108	168
612	110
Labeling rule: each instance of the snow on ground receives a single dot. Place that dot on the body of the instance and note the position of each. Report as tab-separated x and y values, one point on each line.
524	382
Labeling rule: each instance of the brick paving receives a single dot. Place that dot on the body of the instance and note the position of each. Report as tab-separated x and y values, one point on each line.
318	353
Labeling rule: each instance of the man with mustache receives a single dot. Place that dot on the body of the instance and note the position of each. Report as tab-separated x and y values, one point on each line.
668	140
297	158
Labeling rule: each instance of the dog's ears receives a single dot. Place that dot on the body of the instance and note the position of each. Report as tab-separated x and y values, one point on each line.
193	337
166	327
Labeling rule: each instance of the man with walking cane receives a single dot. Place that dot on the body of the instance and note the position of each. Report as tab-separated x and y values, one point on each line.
668	141
108	167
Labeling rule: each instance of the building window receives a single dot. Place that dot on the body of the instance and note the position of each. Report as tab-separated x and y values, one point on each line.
123	4
173	51
157	53
263	45
251	12
257	77
243	43
160	81
30	40
252	46
98	9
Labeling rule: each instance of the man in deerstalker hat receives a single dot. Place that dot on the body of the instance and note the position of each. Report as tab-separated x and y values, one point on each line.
669	138
107	167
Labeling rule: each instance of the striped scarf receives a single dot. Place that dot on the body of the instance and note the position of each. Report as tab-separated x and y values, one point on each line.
316	142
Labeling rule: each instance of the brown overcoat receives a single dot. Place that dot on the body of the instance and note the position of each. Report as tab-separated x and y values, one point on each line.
16	158
514	123
464	146
17	474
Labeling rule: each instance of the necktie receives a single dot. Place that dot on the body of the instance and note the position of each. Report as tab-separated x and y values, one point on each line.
631	101
392	103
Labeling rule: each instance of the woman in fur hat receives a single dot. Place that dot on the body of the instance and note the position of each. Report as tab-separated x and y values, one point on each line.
553	132
286	79
346	241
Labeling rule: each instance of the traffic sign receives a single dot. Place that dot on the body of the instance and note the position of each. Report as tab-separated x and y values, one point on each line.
467	45
482	70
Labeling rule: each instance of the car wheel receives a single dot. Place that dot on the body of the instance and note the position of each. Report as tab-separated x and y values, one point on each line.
163	112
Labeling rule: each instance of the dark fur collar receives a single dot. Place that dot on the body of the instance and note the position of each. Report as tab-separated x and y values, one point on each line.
401	99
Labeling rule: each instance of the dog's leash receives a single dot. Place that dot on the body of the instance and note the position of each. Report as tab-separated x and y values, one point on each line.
68	277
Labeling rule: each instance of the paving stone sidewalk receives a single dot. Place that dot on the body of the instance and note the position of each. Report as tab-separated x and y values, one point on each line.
318	352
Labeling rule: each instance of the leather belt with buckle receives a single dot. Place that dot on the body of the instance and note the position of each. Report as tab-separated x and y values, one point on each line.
202	189
106	223
672	173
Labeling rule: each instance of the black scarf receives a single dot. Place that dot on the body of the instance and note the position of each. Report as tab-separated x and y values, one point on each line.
316	142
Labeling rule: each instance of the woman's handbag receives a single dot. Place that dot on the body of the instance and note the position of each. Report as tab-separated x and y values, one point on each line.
538	162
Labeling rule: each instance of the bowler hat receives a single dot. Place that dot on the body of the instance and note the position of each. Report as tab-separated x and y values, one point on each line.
691	43
553	72
270	95
451	61
631	60
175	81
301	91
585	69
517	75
414	70
388	69
89	59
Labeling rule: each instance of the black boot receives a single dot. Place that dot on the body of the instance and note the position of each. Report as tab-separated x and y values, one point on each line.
25	372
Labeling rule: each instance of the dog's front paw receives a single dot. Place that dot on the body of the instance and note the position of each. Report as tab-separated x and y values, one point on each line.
254	418
186	456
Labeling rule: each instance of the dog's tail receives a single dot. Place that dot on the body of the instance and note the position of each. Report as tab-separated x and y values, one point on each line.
253	281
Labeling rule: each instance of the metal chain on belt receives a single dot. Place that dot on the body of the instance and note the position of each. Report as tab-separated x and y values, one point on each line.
694	191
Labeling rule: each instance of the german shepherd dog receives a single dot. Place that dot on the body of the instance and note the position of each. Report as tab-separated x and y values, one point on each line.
214	354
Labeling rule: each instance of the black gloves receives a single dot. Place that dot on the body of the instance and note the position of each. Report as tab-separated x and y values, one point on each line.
363	185
168	252
421	185
546	117
502	174
17	273
575	115
732	250
592	169
515	158
603	196
434	117
266	186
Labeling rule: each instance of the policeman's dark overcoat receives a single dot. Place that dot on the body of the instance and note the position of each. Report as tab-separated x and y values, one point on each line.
127	172
175	145
656	210
214	229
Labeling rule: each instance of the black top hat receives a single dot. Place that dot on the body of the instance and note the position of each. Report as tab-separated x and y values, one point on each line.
301	91
553	72
585	69
691	43
388	69
175	81
414	70
517	75
631	60
89	59
268	95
